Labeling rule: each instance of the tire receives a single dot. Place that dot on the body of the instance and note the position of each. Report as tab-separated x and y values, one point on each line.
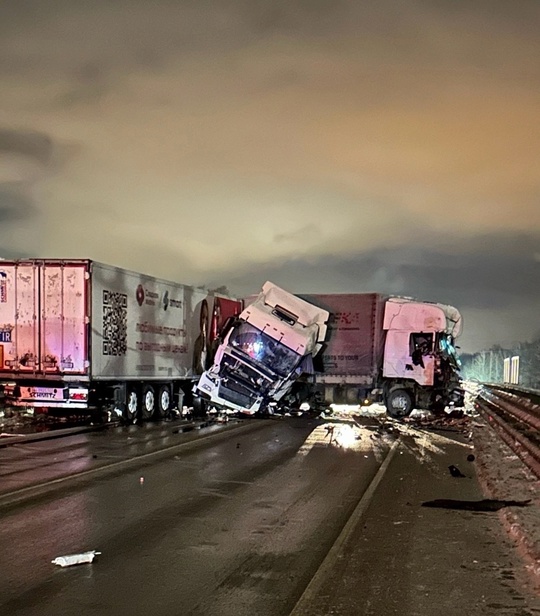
164	402
200	407
148	402
399	403
131	407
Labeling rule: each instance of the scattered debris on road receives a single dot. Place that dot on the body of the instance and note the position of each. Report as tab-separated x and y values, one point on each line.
485	505
75	559
455	472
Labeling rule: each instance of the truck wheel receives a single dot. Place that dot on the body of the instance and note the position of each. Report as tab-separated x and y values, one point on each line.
200	406
399	403
148	402
163	405
131	408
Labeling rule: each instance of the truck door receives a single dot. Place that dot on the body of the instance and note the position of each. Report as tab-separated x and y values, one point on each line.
63	335
405	357
19	310
43	326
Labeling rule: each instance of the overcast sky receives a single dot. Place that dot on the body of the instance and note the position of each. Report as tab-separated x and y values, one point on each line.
327	145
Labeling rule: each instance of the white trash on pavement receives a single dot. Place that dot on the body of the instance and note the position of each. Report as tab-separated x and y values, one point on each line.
75	559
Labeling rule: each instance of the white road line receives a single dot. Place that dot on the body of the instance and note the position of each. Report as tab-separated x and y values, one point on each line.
306	600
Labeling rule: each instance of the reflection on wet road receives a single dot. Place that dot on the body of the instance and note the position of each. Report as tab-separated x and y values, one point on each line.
234	526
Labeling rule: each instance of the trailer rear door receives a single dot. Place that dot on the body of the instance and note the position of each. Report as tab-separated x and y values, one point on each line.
63	332
19	310
43	317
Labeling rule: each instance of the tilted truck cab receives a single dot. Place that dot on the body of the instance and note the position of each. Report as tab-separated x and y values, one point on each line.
263	352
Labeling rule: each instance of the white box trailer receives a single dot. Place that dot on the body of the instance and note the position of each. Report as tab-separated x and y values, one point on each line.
82	334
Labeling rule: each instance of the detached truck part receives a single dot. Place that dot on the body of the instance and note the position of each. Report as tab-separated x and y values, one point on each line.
81	335
397	350
264	351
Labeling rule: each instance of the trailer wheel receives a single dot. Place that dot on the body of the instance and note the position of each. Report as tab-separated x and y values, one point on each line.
399	403
163	405
131	408
148	404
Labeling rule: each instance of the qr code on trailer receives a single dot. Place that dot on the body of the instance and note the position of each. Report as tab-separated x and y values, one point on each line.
114	323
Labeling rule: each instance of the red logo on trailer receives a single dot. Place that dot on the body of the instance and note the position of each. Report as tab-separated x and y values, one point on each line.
139	294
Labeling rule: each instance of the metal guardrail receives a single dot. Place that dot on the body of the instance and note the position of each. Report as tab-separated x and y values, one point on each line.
518	390
514	413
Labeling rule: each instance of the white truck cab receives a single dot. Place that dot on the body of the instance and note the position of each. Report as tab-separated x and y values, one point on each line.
263	352
420	348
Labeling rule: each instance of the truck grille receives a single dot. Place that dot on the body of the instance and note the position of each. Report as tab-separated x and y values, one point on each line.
236	397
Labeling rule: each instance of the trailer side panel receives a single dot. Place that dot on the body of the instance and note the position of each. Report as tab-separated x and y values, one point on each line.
353	348
139	326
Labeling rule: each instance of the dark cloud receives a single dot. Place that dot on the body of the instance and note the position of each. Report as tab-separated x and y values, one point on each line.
485	275
65	37
489	270
19	222
302	16
310	230
23	156
6	252
478	272
14	204
30	144
350	146
26	157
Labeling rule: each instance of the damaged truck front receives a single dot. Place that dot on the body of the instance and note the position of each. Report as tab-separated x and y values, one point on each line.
399	351
263	352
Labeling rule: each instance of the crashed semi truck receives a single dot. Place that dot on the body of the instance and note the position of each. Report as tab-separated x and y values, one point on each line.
395	350
263	352
80	334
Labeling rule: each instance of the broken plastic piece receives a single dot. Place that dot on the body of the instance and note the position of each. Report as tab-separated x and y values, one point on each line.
75	559
455	472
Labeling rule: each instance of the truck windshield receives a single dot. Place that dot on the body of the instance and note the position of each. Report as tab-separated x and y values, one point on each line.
265	350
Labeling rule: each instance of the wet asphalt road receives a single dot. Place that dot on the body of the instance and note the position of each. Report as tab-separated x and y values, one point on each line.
237	520
234	525
30	462
403	559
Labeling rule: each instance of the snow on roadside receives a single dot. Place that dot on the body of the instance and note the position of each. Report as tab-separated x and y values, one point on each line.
503	475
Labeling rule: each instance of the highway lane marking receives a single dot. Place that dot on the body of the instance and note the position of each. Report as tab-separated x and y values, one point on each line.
302	606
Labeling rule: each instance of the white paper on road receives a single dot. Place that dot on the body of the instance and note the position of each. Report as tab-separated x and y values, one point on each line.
75	559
